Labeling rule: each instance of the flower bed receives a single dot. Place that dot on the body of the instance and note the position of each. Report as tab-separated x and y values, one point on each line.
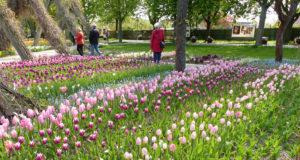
204	112
49	74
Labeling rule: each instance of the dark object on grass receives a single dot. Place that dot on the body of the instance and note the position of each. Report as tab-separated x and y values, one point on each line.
297	40
210	40
193	39
264	40
140	37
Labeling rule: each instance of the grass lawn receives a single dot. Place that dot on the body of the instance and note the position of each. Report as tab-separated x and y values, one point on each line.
262	52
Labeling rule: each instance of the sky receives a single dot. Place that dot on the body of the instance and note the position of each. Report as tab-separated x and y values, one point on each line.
270	19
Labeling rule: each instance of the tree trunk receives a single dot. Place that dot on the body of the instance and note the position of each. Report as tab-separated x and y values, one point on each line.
15	97
174	34
40	30
117	25
52	31
181	35
32	27
79	13
261	26
120	28
37	36
285	14
4	41
11	29
67	17
208	29
279	41
288	32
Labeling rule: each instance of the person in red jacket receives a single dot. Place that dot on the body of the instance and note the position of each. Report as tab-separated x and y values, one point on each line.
156	38
80	42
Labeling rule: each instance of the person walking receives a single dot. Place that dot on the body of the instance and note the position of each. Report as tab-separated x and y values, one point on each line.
157	42
107	35
80	42
94	40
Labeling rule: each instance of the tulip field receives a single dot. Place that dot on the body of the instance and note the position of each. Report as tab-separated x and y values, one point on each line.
219	110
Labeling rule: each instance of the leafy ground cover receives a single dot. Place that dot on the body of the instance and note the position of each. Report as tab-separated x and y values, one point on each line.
262	52
221	111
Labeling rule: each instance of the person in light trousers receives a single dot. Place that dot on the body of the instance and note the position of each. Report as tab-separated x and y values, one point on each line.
94	40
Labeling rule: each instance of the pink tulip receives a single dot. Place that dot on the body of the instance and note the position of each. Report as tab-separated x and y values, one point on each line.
65	146
42	133
138	141
192	128
228	123
101	109
30	113
222	120
238	114
81	108
182	140
99	120
203	134
169	137
65	140
21	140
81	132
158	132
58	152
15	120
31	144
67	131
14	134
249	105
17	146
200	113
126	131
91	124
154	146
145	139
49	131
88	106
92	116
144	151
194	135
57	140
39	156
78	144
44	140
63	89
172	147
74	112
41	119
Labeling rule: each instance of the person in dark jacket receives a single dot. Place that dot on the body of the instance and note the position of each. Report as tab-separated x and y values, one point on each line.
94	40
156	39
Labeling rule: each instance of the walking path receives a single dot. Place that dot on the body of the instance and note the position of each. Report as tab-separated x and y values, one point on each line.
47	53
54	53
205	44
